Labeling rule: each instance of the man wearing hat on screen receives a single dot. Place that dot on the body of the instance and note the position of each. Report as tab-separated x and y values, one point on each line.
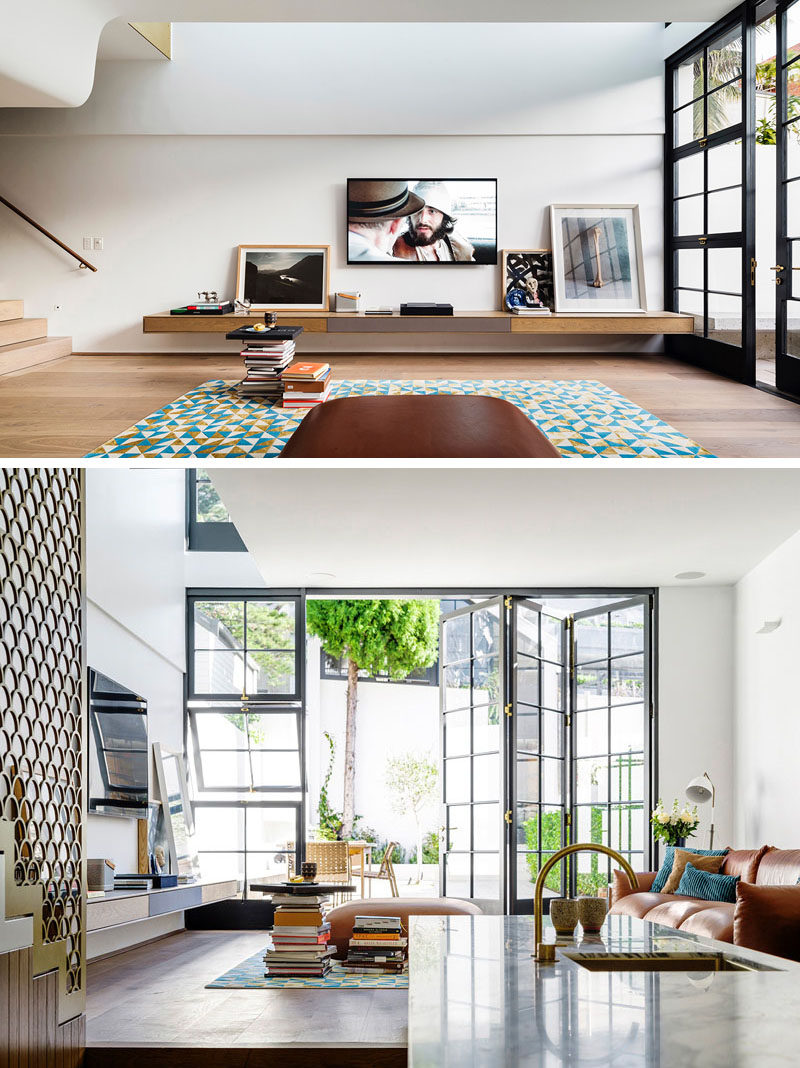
376	213
431	234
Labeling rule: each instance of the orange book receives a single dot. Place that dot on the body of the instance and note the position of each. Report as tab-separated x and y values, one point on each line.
388	936
306	370
298	919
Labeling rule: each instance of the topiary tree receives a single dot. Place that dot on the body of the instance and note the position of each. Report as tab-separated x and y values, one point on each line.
394	636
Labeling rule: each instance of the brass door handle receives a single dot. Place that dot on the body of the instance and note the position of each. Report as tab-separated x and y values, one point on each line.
778	267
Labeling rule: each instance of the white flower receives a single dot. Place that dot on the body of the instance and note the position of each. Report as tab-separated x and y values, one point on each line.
662	817
686	816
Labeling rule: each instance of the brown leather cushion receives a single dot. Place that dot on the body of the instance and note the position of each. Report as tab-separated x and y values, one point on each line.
638	904
682	857
439	424
767	918
743	862
676	909
343	916
621	887
713	922
779	867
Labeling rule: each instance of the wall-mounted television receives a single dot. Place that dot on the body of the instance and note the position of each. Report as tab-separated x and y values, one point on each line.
119	756
428	221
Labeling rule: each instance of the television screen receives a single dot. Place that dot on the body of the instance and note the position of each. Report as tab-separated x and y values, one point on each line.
119	756
422	220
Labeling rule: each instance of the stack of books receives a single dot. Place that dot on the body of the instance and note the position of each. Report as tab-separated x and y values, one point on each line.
266	358
306	385
216	307
300	936
377	945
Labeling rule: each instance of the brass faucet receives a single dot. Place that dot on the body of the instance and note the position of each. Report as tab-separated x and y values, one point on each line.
546	951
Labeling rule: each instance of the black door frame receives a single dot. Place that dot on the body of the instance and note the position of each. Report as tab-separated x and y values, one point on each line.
731	361
787	366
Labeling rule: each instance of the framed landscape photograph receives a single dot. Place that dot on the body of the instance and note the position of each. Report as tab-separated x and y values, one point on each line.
284	277
597	259
527	279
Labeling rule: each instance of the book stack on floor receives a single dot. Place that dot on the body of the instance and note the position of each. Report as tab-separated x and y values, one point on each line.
305	385
266	357
377	945
300	936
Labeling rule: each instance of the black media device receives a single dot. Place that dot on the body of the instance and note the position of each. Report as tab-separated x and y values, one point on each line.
426	309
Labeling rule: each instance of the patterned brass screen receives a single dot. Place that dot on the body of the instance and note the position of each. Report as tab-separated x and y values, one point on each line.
42	717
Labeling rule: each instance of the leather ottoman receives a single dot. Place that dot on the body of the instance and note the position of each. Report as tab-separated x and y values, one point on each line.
417	425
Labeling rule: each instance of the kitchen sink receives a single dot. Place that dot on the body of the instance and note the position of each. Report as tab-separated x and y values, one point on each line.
663	961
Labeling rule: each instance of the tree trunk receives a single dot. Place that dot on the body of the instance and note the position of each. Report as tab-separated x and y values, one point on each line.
348	808
420	837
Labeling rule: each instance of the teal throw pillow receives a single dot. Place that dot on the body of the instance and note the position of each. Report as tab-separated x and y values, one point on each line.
707	886
669	856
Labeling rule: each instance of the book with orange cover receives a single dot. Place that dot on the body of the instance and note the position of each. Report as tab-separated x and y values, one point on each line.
376	936
306	370
305	918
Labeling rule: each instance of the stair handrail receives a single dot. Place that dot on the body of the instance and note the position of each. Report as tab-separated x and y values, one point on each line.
41	229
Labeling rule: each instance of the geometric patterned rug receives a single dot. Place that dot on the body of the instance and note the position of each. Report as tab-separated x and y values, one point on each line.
581	418
249	975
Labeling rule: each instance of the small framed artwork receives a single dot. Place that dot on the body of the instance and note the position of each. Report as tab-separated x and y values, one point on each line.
283	277
527	279
597	259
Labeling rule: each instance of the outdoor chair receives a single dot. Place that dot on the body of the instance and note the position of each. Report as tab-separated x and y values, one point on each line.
386	871
332	860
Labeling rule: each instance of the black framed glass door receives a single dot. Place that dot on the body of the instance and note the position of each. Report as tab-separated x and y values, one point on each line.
611	706
472	688
787	262
538	750
709	189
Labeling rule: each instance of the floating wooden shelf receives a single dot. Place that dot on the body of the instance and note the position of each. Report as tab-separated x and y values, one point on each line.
127	906
462	322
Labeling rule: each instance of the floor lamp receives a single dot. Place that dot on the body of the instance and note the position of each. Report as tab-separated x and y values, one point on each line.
699	791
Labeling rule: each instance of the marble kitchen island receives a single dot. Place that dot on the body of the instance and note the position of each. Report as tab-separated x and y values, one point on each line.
478	999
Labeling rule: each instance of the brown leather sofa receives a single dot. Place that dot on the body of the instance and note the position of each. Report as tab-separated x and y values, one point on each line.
342	917
766	866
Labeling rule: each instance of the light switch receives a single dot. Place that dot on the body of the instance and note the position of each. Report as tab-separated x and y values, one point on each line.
98	244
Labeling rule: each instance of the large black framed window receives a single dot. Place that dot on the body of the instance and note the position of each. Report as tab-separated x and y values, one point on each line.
208	524
709	188
245	730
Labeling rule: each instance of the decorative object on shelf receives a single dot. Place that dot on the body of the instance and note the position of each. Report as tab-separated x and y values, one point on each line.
592	913
270	320
100	874
348	302
597	259
242	306
527	280
283	277
174	795
676	826
701	790
207	296
155	847
308	869
563	914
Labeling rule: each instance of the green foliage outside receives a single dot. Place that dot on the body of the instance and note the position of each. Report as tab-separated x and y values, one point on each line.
210	508
269	640
590	882
413	780
330	821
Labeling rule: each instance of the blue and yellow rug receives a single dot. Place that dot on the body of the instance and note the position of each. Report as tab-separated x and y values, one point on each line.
249	975
581	418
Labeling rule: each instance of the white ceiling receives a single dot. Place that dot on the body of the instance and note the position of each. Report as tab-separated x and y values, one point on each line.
469	528
425	11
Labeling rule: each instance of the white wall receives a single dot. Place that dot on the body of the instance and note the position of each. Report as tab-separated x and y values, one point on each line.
767	704
696	700
175	164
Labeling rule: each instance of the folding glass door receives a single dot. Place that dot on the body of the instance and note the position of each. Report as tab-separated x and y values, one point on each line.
787	262
545	739
710	196
472	696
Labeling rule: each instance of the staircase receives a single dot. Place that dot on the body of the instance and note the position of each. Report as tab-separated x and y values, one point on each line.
24	342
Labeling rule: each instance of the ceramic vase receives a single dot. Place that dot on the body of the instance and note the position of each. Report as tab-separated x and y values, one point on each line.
592	913
563	914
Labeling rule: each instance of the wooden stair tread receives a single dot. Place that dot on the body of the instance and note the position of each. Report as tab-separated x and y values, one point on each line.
23	355
11	309
33	343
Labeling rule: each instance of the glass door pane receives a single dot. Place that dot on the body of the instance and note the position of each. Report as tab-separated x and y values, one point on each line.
472	702
710	188
787	270
538	750
610	711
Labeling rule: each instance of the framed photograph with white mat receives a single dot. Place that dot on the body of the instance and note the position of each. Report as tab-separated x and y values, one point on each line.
597	259
283	277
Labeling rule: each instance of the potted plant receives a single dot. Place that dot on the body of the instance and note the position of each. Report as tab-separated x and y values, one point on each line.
676	826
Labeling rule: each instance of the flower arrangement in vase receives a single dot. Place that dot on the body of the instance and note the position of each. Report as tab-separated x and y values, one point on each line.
676	826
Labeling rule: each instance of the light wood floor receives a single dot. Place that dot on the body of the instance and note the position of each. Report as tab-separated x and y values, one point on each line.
153	998
66	408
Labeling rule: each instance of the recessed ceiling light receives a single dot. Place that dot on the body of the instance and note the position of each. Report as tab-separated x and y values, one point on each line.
690	575
322	576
